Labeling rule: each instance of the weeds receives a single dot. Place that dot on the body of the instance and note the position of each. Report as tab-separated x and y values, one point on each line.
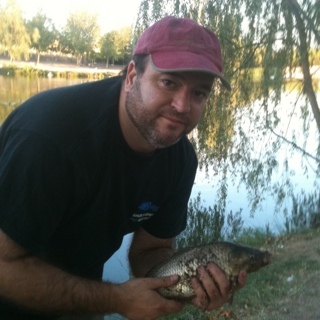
208	224
305	212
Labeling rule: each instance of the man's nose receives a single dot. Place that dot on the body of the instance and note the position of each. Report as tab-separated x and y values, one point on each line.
181	101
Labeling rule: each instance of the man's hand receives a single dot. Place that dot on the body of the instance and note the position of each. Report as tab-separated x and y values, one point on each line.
138	299
213	289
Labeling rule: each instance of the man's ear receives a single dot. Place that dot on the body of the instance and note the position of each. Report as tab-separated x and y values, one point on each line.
131	76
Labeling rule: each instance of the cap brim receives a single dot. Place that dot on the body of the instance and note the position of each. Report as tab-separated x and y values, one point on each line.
186	61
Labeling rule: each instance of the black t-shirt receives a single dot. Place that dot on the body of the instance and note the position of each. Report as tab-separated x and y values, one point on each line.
71	188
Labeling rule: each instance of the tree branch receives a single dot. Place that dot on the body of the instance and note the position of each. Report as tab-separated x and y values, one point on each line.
304	152
295	9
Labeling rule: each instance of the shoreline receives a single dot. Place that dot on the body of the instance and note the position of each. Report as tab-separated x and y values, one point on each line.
51	69
65	70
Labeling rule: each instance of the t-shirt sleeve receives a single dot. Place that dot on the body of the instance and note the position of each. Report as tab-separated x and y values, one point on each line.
171	220
35	187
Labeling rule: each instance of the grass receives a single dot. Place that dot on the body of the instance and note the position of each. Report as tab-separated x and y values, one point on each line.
286	289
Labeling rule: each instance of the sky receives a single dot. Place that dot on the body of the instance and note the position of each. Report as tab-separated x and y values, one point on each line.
112	14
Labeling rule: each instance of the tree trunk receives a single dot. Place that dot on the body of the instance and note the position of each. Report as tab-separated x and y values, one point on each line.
79	58
38	58
295	9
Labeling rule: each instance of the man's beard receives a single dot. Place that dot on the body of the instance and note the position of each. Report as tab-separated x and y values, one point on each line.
145	124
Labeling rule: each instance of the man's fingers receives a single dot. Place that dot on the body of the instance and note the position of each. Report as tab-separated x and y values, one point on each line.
162	282
221	281
201	300
139	299
212	287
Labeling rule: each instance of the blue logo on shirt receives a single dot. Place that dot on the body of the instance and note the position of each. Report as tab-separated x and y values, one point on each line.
148	206
145	211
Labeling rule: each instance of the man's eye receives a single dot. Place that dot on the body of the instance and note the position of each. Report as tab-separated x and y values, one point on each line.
168	83
200	94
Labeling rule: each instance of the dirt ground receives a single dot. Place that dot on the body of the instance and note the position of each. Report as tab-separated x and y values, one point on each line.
303	298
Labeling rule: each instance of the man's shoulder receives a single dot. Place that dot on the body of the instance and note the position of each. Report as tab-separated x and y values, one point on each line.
76	94
65	115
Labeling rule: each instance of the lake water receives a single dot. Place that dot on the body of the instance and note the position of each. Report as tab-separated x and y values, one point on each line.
15	90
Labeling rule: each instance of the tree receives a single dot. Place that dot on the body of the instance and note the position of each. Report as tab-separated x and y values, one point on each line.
42	33
263	43
13	34
304	22
80	35
116	45
108	47
123	44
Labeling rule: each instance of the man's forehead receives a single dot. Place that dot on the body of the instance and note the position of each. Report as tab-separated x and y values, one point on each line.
204	78
183	72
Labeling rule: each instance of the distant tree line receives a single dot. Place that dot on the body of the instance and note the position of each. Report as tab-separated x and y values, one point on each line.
80	37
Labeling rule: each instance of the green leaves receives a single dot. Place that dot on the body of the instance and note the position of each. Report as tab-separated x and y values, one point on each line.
42	33
81	34
14	37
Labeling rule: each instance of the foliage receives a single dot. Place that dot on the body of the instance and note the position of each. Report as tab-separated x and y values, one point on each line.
42	33
13	34
305	212
207	224
80	35
116	45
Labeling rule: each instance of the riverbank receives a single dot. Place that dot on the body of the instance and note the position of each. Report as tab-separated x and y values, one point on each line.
54	69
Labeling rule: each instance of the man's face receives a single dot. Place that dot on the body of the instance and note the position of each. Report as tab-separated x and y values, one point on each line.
163	107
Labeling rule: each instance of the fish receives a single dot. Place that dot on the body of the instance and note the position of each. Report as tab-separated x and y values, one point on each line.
230	257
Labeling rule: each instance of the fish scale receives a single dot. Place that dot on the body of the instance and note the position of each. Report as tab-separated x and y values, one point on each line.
230	257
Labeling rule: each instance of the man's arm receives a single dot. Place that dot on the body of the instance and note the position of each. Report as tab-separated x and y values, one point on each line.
30	282
146	251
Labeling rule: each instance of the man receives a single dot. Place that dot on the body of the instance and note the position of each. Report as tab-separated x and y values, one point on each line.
82	166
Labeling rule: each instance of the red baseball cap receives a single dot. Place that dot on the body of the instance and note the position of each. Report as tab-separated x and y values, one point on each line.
181	44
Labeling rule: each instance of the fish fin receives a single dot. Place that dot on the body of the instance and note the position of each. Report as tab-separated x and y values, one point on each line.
234	283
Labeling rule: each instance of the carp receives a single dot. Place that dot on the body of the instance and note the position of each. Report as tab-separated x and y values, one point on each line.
230	257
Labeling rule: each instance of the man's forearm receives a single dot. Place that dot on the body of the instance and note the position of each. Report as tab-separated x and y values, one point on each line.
36	285
31	282
147	251
145	261
48	290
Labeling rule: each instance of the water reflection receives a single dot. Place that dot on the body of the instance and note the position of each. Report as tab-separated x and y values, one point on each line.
15	90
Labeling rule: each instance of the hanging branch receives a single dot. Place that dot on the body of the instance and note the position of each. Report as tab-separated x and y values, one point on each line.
294	8
304	152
